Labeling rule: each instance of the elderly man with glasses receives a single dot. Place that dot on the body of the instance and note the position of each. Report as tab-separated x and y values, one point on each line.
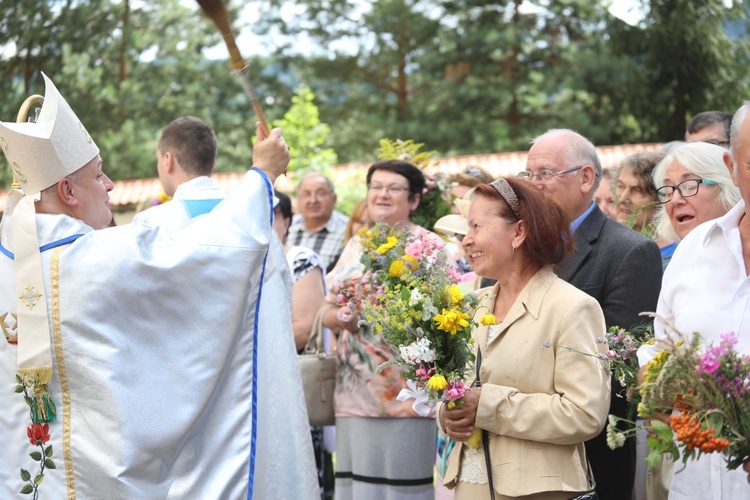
318	226
616	265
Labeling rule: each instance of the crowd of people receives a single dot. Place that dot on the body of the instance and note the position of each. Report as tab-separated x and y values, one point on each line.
159	357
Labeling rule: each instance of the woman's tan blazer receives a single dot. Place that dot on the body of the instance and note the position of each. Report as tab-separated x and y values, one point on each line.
540	404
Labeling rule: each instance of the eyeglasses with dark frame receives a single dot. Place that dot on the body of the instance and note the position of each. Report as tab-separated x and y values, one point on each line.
686	188
546	175
392	190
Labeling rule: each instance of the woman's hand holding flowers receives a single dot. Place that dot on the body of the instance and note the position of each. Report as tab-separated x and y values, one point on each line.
459	421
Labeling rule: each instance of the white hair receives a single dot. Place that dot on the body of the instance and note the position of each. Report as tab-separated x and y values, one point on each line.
704	160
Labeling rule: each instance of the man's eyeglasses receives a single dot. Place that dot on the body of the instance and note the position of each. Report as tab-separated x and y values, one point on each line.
546	175
686	189
395	190
723	144
304	195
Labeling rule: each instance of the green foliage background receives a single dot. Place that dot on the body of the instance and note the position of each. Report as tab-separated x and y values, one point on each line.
459	76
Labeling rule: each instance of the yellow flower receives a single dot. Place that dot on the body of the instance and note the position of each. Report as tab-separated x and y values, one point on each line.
163	197
402	266
451	320
488	319
390	242
437	383
475	440
456	295
363	232
397	267
643	411
410	261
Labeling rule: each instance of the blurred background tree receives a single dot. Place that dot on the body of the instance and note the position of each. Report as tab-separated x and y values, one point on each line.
459	76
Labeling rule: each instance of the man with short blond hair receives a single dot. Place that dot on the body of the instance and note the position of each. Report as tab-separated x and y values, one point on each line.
185	158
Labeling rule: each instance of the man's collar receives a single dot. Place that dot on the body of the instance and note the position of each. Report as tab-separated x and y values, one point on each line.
726	222
199	182
579	220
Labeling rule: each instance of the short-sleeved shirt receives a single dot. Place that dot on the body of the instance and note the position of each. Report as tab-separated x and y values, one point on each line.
327	241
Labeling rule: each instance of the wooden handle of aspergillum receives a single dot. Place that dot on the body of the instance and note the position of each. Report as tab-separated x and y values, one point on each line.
218	14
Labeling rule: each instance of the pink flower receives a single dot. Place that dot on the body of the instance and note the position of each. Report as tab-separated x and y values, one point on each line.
455	390
414	249
424	374
611	354
454	275
710	360
728	339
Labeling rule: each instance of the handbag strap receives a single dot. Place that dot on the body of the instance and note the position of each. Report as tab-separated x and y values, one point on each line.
485	434
315	343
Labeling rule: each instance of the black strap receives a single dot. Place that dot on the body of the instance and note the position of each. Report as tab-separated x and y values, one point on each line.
485	434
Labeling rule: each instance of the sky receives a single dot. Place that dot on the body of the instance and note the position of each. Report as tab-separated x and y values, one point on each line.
250	44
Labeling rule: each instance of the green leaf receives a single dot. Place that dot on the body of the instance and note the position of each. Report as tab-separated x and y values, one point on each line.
654	458
28	400
50	464
48	451
19	379
662	430
25	475
35	455
19	388
716	421
27	488
405	294
38	479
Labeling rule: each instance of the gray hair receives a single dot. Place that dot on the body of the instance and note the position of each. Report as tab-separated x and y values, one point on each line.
311	175
703	160
734	137
581	151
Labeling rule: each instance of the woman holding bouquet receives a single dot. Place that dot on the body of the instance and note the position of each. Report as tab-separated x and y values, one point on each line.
384	450
537	405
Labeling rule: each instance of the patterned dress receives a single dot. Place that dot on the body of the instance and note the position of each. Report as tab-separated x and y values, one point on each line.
383	448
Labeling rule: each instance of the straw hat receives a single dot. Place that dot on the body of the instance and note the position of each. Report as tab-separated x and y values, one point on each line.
456	224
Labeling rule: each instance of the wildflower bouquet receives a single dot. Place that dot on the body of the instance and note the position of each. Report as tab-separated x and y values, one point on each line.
711	389
414	303
621	353
622	347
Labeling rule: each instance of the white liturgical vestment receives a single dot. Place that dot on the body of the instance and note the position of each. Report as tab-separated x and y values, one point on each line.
164	385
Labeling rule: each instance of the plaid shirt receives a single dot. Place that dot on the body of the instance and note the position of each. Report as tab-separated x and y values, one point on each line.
327	242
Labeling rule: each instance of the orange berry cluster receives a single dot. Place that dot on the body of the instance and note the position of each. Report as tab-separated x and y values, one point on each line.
689	431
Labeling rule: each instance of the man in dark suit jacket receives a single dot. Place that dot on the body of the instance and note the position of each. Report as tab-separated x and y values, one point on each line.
617	266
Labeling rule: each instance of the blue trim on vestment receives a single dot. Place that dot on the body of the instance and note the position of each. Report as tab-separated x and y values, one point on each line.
195	208
44	248
253	436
